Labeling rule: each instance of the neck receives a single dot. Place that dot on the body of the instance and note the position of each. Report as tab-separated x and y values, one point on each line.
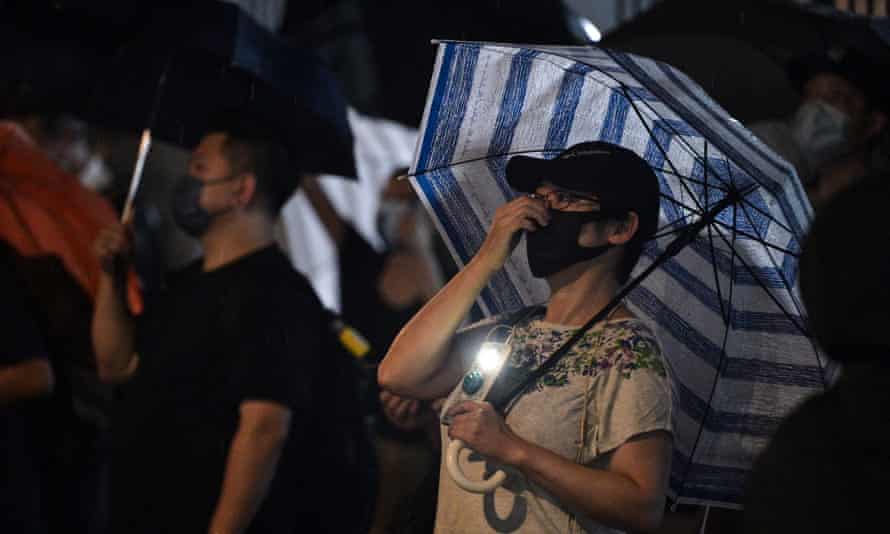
580	292
235	235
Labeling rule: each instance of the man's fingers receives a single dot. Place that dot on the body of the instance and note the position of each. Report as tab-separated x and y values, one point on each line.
393	403
404	409
463	408
538	213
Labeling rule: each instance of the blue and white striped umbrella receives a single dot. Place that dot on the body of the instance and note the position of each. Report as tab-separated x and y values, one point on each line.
726	308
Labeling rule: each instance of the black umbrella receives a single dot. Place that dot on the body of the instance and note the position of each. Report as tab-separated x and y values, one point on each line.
749	84
779	28
752	41
192	62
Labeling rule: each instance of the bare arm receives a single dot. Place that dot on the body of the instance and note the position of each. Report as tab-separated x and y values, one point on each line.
418	364
628	492
25	380
112	327
250	468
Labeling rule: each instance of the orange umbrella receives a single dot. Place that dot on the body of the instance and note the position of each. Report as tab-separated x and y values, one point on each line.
44	210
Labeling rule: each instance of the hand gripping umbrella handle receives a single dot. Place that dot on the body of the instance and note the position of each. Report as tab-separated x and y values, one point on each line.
483	486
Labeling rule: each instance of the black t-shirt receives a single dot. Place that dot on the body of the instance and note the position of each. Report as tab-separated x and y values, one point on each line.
250	330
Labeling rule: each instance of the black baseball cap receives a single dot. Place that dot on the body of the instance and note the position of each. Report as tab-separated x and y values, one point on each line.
621	179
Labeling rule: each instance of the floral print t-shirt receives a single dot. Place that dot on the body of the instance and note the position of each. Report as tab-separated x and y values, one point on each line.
610	387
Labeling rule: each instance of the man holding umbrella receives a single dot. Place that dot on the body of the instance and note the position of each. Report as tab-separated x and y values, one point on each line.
587	446
218	425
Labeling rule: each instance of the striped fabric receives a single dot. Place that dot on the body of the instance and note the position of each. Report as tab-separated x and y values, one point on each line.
726	309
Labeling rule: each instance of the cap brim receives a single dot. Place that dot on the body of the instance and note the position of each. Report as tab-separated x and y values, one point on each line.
525	173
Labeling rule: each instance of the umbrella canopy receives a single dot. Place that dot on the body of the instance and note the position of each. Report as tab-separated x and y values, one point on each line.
45	211
192	62
725	307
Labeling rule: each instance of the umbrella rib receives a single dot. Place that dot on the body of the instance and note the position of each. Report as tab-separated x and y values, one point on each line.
669	198
727	323
688	178
759	239
667	233
797	306
711	243
769	293
764	188
732	228
624	87
481	158
663	231
658	144
723	311
760	211
779	223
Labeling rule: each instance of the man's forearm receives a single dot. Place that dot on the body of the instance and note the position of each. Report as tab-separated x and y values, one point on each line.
253	458
605	496
112	331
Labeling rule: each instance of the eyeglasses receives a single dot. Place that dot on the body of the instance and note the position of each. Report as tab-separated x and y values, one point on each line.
560	200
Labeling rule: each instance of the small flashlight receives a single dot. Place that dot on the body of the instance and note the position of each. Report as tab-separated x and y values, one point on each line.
478	381
488	362
489	357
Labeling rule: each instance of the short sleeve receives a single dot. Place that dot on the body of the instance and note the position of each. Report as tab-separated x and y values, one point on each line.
631	393
279	351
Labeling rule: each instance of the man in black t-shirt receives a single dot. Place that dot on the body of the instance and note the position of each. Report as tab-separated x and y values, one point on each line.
221	423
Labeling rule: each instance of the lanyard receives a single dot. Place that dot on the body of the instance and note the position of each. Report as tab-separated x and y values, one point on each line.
509	386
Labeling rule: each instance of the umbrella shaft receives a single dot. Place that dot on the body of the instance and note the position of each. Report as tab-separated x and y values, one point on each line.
144	147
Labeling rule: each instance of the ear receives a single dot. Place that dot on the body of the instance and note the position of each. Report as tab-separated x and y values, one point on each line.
623	231
246	193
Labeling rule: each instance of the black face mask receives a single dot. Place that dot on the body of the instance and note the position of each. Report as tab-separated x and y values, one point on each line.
554	247
186	203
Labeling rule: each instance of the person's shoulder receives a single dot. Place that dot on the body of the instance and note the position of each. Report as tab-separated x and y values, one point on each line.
271	268
270	286
629	328
629	344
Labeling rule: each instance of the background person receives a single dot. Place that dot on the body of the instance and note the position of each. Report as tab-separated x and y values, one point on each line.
380	292
838	135
223	420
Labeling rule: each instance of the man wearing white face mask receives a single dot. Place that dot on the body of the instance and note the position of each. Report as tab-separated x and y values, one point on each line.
832	139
